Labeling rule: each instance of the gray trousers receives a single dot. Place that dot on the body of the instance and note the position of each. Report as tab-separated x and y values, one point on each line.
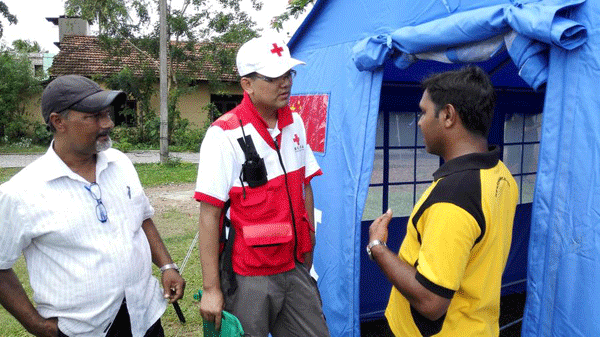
285	305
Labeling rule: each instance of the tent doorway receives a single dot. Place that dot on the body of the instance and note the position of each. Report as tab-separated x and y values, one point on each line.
402	170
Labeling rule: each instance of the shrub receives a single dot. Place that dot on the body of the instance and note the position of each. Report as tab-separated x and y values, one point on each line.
41	134
187	139
123	146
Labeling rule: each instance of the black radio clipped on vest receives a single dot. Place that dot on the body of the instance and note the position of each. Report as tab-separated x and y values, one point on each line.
254	171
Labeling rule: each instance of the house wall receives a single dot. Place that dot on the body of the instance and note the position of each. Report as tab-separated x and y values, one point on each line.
190	104
33	108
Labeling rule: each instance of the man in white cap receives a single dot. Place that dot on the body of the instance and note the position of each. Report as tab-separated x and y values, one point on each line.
80	217
254	172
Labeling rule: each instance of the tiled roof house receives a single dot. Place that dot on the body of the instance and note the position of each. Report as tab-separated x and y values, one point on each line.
84	55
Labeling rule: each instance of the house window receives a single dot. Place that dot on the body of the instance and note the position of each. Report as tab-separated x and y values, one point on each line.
402	168
224	103
38	70
127	116
522	134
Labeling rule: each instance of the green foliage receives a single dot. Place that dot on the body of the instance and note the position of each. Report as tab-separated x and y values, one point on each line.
12	19
187	139
194	22
213	112
140	85
26	46
184	137
113	16
16	87
41	134
198	30
295	8
14	129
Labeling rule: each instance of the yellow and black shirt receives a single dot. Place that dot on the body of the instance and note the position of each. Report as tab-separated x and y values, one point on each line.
458	238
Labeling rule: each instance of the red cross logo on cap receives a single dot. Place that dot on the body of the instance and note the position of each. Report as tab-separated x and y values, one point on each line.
296	139
276	50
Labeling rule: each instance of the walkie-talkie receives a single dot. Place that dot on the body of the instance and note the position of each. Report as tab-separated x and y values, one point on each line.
253	169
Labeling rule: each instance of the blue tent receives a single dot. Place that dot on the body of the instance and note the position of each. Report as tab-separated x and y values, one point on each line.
364	57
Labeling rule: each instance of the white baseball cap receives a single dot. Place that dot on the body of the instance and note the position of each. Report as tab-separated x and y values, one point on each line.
267	55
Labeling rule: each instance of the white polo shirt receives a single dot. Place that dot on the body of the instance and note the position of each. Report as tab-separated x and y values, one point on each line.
80	269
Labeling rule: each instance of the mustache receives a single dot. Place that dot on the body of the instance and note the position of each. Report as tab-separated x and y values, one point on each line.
102	134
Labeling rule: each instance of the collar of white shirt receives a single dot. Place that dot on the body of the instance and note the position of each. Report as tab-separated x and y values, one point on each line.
56	167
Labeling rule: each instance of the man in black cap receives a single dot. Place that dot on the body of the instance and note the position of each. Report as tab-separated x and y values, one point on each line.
80	217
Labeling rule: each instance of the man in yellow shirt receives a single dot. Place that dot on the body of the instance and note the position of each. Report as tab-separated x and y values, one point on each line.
447	276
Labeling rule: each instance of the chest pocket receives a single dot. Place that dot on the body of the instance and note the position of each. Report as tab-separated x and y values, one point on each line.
137	204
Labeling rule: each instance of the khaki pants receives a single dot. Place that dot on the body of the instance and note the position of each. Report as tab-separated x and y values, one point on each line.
285	305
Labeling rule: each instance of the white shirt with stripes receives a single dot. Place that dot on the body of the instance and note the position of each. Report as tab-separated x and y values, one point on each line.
80	268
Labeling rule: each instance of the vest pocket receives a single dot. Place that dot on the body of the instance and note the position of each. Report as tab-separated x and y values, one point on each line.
267	234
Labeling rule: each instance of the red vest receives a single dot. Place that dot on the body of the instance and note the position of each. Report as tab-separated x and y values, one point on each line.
266	237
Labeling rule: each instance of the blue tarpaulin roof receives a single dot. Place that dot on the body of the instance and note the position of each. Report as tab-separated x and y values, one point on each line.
552	43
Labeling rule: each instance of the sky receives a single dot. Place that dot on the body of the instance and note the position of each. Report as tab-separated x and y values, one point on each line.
32	24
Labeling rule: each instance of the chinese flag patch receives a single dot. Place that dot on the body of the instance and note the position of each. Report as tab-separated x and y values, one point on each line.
313	110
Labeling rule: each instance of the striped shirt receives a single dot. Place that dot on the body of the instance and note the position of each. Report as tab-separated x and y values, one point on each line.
80	268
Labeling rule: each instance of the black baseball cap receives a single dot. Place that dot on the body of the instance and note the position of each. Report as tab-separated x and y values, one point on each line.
78	93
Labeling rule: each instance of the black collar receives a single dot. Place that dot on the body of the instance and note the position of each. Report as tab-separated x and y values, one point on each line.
471	161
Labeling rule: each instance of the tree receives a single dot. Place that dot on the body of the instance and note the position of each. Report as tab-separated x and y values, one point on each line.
10	17
141	88
16	87
295	8
114	17
198	30
26	46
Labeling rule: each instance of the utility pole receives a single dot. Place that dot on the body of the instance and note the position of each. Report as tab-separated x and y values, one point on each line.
164	88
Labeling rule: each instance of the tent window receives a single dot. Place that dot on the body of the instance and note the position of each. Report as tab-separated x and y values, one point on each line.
402	169
522	133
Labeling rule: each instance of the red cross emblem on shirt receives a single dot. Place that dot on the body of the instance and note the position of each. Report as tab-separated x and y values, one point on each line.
296	139
276	50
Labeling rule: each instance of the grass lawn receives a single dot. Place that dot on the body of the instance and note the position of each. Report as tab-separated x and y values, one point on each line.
12	148
177	230
150	174
7	172
162	174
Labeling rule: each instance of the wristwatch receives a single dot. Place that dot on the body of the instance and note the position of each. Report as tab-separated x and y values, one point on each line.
169	266
373	244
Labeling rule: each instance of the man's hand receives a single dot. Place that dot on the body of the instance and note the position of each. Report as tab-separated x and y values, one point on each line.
173	285
211	306
379	228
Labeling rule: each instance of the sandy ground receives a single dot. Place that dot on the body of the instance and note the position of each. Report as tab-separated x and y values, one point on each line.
173	196
176	210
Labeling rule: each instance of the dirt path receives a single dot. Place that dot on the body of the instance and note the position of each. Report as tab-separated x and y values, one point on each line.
178	196
176	210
